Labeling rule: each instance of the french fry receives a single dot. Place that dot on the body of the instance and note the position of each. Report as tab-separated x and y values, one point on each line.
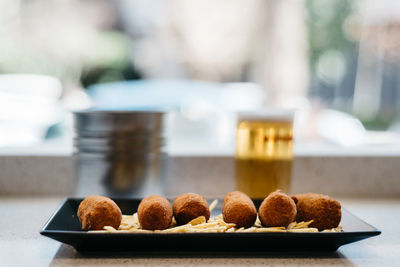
110	229
304	230
337	229
213	205
198	220
271	229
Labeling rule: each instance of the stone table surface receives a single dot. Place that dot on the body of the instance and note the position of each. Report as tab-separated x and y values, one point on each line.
22	245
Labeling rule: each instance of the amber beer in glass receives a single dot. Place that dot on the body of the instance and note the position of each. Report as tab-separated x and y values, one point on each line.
264	151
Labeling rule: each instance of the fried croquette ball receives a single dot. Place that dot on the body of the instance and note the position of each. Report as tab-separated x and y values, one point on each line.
154	213
187	207
239	209
324	210
278	209
95	212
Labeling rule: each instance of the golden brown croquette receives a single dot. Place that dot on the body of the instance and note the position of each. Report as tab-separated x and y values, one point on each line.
324	210
155	213
187	207
95	212
278	209
239	209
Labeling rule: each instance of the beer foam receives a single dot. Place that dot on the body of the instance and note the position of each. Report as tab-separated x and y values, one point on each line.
272	114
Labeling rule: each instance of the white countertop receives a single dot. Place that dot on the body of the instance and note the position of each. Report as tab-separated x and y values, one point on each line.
22	245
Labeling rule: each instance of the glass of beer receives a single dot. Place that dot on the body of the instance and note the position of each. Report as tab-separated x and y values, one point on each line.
264	151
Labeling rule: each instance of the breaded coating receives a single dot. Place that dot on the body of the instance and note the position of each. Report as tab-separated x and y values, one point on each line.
239	209
324	210
95	212
278	209
155	213
187	207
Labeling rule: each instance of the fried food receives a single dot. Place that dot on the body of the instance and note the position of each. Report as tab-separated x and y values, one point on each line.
155	213
324	210
278	209
95	212
187	207
239	209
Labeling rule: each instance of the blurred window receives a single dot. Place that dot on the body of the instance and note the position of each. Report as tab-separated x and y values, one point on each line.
337	61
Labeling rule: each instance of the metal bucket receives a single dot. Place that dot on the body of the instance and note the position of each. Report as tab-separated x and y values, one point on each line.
120	153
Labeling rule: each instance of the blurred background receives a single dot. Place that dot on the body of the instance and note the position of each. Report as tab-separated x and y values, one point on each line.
337	62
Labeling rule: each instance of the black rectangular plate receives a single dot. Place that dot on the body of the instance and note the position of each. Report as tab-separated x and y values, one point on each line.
65	227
